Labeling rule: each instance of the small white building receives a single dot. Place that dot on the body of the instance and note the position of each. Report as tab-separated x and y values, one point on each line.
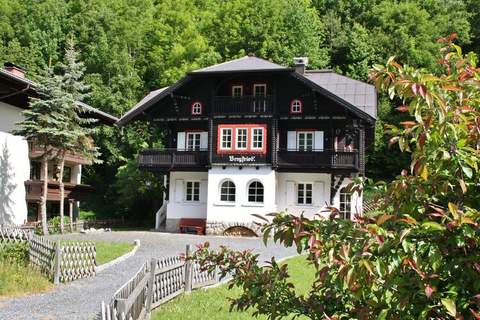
249	136
20	170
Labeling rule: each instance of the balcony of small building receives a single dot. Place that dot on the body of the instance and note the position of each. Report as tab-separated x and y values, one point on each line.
322	159
163	160
243	105
76	192
35	152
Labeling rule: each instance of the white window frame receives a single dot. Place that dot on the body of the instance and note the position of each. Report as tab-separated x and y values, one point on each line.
304	197
228	194
222	135
256	195
253	138
236	139
197	138
298	140
193	182
237	87
296	103
345	203
257	85
197	108
258	106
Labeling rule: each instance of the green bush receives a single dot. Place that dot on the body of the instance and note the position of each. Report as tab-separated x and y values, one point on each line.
15	253
87	215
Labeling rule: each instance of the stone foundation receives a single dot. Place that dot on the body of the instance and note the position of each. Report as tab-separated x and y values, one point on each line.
172	225
218	227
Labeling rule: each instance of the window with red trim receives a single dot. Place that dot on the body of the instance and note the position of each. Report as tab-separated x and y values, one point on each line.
197	108
242	138
296	106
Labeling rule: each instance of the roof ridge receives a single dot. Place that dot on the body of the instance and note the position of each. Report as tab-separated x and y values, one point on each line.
221	63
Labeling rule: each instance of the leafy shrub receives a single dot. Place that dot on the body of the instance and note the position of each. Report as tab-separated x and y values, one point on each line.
87	215
15	253
419	257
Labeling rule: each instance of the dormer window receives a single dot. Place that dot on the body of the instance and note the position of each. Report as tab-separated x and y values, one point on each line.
197	108
237	91
296	106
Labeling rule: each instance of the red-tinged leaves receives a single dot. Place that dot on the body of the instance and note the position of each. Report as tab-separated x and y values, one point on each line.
383	218
402	108
429	290
408	124
421	140
476	314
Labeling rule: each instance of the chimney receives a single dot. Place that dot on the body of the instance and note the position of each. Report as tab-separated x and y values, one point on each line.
300	64
15	69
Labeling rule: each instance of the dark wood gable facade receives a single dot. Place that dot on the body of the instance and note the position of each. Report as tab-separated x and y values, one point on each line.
304	127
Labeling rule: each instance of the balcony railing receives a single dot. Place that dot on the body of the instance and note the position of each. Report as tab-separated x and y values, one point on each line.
155	159
242	105
318	159
76	192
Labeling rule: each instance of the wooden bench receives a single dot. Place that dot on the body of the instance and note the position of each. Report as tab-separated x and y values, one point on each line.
195	226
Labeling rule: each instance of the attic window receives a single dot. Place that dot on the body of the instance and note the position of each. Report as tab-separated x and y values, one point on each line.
296	106
197	108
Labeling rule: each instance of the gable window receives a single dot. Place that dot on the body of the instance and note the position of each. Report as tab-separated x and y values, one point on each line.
193	141
345	203
192	192
255	192
237	91
197	108
257	138
259	93
304	193
241	138
305	140
226	139
227	191
296	106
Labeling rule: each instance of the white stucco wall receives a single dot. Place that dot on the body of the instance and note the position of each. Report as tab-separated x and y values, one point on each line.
14	170
287	192
77	174
177	206
9	116
241	210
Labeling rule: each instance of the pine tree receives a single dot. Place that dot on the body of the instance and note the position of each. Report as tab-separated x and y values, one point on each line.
80	134
44	125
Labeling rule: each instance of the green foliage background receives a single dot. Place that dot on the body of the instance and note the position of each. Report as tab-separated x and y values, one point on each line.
133	46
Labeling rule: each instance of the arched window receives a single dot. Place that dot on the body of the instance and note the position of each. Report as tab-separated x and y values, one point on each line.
255	192
296	106
345	203
227	191
197	108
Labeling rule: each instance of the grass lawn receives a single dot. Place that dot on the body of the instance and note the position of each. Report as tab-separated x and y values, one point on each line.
213	304
18	279
108	251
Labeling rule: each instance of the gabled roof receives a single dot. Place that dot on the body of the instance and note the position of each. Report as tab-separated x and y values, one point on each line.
360	94
31	85
148	100
244	64
356	96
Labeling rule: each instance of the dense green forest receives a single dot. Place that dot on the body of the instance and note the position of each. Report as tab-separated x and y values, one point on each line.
133	46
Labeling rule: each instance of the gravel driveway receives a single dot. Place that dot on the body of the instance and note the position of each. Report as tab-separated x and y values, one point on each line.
81	299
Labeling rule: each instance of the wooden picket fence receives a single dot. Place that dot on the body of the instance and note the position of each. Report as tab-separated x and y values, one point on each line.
154	284
60	262
12	234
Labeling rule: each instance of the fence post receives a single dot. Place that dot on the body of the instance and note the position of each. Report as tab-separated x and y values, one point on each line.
58	253
153	265
188	270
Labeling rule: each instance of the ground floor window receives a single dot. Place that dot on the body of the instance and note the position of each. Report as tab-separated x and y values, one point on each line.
192	191
304	193
227	191
255	192
345	203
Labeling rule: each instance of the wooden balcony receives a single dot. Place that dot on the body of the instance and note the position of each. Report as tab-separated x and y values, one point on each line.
34	152
168	159
318	159
242	105
76	192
